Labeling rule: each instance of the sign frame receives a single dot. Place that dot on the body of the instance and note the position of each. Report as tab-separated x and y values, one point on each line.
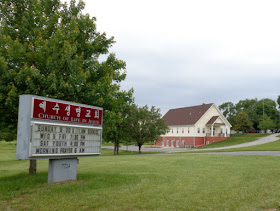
26	120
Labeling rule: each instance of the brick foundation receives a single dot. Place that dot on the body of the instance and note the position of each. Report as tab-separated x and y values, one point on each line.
191	141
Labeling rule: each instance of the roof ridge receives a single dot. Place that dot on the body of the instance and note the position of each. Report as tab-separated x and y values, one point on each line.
192	106
186	115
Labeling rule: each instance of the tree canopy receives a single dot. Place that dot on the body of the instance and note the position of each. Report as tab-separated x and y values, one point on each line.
229	111
52	49
242	122
266	123
115	129
267	107
255	109
146	125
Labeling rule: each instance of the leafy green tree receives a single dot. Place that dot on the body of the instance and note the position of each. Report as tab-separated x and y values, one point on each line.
278	112
52	49
249	106
267	124
278	126
146	125
242	122
227	108
115	128
7	132
229	111
267	107
254	108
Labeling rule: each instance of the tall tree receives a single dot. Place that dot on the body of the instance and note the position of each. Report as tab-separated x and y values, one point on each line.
117	120
52	49
278	101
229	111
278	112
267	124
267	107
146	125
249	106
242	122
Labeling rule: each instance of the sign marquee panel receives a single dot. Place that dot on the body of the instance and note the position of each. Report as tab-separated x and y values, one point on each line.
57	140
66	112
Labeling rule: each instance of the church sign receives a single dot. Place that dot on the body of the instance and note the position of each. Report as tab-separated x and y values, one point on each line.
59	131
66	112
54	128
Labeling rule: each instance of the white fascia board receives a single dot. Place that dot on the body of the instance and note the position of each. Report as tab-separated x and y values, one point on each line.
222	116
217	118
204	114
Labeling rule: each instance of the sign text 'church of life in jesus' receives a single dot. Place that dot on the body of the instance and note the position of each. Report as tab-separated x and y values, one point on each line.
50	128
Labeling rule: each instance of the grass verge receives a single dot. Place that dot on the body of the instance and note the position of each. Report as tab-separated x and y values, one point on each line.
110	152
162	182
236	139
272	146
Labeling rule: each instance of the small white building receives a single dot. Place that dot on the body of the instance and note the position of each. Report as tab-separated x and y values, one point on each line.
194	126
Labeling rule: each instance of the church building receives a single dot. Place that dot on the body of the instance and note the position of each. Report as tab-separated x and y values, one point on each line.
194	126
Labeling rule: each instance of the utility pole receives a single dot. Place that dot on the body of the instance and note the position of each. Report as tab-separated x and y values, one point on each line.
263	107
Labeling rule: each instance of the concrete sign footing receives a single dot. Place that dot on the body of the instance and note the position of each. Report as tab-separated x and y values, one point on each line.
62	170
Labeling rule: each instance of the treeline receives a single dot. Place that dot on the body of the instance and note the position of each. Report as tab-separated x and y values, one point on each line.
253	114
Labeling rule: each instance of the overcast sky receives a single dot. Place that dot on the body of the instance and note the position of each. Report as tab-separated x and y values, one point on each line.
187	52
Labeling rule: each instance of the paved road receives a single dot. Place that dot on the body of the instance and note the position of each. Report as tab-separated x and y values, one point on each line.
271	153
263	140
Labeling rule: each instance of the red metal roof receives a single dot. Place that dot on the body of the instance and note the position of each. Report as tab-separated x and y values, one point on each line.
186	116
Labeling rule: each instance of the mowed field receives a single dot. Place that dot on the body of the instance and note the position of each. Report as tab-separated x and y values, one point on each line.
236	139
144	182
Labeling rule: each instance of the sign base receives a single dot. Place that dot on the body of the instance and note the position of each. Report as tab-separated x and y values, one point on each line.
62	170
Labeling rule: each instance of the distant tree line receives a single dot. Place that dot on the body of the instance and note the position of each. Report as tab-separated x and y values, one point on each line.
253	114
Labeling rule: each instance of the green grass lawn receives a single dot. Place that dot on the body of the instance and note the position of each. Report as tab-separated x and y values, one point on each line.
148	182
272	146
110	152
236	139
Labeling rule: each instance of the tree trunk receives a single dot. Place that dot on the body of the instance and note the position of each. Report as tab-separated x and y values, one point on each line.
116	148
32	166
139	148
